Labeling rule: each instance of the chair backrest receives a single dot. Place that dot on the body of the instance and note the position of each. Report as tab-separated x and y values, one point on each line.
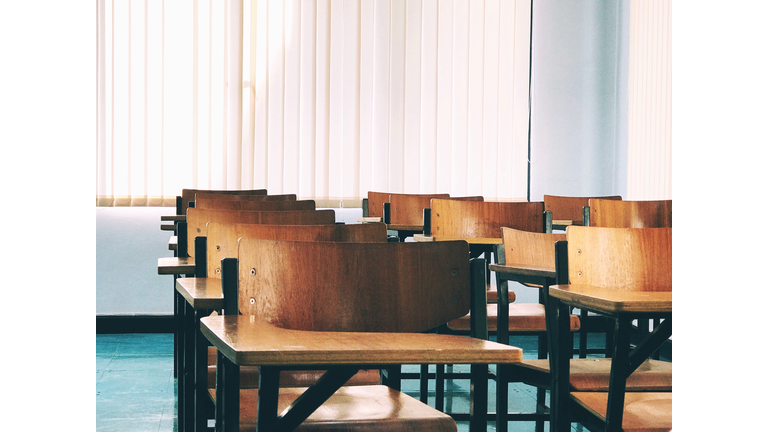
630	214
329	286
188	195
570	208
456	219
628	259
255	205
376	202
408	209
529	249
222	237
197	220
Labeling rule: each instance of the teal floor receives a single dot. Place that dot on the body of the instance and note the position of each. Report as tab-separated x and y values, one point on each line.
135	388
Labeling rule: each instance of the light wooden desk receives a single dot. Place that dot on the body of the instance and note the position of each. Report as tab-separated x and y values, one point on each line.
246	340
624	307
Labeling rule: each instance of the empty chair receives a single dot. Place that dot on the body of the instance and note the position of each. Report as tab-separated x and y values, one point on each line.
568	210
426	285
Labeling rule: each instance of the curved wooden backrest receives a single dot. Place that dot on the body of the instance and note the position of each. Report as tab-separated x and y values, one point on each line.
524	248
329	286
376	202
222	237
256	205
408	209
208	197
570	208
197	220
456	219
628	259
188	195
630	214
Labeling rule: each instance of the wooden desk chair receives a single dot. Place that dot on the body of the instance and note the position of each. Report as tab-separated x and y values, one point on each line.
202	294
626	214
479	223
373	206
567	210
529	258
198	218
188	195
624	273
205	200
427	285
405	212
254	205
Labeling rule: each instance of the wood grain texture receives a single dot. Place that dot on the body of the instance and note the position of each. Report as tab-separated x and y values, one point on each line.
479	219
197	220
357	408
201	293
523	317
611	300
175	265
384	287
188	195
257	205
247	340
643	411
565	208
527	249
630	214
627	259
408	209
593	374
223	237
376	202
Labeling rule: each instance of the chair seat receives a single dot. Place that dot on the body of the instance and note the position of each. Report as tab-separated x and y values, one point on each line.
357	408
523	317
643	412
589	374
249	376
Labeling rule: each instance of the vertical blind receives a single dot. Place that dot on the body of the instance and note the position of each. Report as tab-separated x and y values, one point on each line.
327	99
650	101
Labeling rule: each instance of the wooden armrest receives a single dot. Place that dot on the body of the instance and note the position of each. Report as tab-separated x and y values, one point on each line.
175	265
369	219
611	300
173	243
167	227
247	340
201	293
544	272
173	218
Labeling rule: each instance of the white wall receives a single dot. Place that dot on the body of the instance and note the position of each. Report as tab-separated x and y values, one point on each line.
128	243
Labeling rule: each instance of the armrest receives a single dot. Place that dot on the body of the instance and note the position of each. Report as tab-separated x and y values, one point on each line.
613	300
175	265
201	293
543	272
246	340
173	218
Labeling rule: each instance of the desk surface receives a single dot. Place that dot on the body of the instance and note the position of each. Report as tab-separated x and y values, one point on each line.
175	265
544	272
472	241
613	301
247	340
201	293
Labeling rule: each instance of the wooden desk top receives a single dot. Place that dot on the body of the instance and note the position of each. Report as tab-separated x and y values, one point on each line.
247	340
369	219
610	301
472	241
544	272
201	293
175	265
173	218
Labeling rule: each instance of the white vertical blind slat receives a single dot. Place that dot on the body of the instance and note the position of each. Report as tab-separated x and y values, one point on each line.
327	99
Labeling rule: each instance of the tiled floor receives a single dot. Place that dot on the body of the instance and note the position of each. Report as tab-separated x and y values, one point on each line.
135	388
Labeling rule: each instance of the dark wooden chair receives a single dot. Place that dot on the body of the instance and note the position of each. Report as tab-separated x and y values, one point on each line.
405	212
529	258
202	295
345	323
625	274
188	195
